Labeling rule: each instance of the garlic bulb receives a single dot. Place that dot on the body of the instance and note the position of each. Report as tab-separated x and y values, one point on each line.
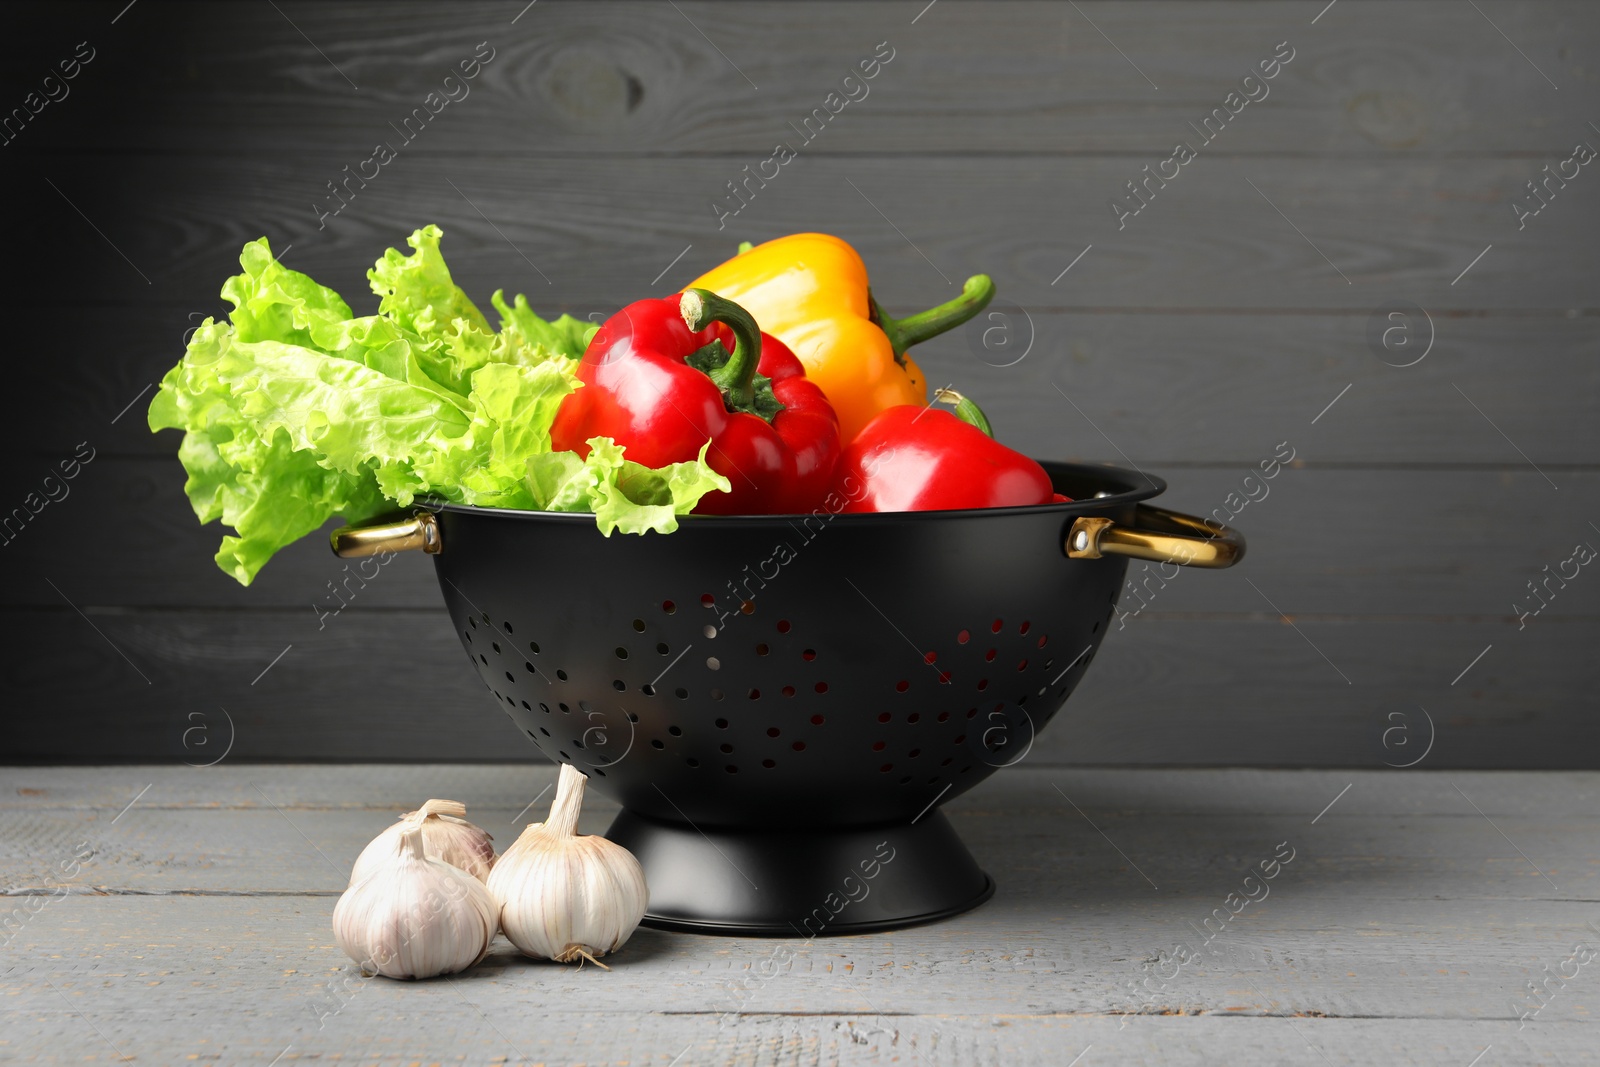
414	916
446	835
562	896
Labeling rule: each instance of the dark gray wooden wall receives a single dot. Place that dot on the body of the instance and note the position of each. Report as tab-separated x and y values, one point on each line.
1219	322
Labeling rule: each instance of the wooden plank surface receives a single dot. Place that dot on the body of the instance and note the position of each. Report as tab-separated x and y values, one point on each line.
1396	229
167	850
572	79
1316	544
1169	689
1403	931
1166	388
1189	341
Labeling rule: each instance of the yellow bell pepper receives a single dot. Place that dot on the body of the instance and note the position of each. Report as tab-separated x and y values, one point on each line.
810	291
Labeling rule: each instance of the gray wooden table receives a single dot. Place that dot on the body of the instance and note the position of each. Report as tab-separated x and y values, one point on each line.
164	916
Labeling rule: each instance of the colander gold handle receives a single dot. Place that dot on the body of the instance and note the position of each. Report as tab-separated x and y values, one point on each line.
1159	535
419	531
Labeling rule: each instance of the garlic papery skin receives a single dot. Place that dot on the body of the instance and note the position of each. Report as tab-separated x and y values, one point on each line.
563	896
445	835
414	916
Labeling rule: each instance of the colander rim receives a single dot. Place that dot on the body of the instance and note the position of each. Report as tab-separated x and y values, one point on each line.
1131	493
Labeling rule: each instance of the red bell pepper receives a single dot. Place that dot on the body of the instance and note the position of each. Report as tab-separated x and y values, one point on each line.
912	458
661	377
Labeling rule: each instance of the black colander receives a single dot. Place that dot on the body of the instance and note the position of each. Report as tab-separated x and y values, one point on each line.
781	703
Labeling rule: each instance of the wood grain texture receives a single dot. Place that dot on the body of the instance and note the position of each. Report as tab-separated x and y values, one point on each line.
1320	544
1404	930
167	849
587	80
1189	341
1166	388
100	793
1397	229
1172	689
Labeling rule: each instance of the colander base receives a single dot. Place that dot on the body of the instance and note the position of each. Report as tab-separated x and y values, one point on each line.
748	881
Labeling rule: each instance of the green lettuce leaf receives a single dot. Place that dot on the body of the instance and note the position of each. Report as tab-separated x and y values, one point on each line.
272	302
246	471
623	495
295	411
566	335
514	409
417	292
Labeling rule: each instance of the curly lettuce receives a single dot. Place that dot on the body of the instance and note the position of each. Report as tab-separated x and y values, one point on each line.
295	410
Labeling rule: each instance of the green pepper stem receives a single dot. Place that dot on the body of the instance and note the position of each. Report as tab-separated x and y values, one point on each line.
914	329
966	410
735	378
